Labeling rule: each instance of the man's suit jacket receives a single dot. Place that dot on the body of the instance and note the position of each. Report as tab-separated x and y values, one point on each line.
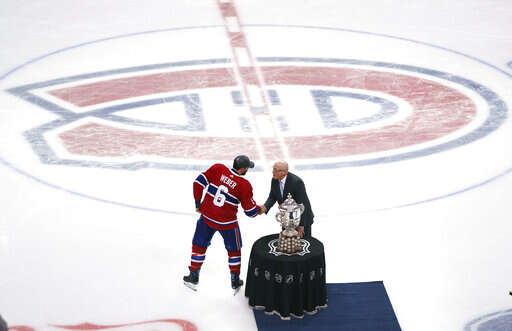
295	186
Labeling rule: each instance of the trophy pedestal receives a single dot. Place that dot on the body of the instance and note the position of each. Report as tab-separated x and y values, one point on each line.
289	243
284	284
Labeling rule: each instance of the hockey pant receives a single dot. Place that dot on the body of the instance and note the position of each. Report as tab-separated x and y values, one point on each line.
202	238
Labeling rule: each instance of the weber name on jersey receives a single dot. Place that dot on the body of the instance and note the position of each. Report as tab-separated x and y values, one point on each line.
225	190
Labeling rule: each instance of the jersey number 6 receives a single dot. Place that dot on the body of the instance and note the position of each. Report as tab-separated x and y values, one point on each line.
219	198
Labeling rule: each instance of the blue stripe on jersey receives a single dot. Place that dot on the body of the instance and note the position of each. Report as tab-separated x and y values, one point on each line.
235	259
201	179
212	189
197	257
251	212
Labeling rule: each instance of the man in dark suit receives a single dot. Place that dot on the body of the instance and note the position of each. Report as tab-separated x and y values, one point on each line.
284	182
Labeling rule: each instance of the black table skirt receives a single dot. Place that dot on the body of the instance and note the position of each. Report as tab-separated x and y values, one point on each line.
287	285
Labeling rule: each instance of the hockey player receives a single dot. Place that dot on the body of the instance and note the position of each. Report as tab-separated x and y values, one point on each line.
225	189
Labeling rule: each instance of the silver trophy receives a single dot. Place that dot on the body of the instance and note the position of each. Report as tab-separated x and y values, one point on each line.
289	217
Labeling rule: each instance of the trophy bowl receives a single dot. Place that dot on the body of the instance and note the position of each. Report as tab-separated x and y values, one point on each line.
288	216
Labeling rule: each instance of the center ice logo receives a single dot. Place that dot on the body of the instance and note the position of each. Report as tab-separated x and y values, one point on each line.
329	113
498	321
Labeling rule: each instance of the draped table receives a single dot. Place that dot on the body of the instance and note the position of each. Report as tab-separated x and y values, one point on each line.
286	284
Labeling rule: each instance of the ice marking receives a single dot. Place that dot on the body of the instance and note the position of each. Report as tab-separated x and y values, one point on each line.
430	101
330	118
498	321
185	325
115	89
253	86
237	98
232	24
274	97
242	57
498	110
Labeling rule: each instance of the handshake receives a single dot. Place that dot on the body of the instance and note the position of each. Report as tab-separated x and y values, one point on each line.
262	210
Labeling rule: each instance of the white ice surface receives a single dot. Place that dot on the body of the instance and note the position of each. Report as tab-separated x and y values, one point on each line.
67	259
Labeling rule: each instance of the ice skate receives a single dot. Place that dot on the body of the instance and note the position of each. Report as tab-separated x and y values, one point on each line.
236	283
192	280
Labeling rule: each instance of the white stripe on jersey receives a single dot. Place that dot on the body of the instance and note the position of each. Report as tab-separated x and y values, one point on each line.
225	201
220	223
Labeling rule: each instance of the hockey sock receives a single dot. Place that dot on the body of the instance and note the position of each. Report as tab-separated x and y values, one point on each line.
197	258
234	261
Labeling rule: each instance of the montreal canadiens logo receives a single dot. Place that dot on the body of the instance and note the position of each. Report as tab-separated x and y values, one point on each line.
129	110
329	113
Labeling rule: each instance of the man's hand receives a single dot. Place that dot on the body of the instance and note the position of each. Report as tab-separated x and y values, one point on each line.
198	210
262	210
300	230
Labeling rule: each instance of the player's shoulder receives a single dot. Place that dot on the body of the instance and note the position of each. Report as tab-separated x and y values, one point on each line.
218	167
244	182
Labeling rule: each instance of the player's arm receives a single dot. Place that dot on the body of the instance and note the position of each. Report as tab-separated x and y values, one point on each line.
249	206
200	184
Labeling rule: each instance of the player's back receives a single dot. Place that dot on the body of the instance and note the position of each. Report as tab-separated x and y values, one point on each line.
226	189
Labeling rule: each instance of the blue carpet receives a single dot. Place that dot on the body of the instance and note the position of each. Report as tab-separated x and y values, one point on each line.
351	307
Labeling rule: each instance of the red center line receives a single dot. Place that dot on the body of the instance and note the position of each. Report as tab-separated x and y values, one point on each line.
242	56
252	83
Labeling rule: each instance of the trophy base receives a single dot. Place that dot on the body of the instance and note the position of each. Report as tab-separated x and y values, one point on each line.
289	243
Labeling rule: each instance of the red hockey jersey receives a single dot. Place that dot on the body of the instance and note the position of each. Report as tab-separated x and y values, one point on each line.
225	189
